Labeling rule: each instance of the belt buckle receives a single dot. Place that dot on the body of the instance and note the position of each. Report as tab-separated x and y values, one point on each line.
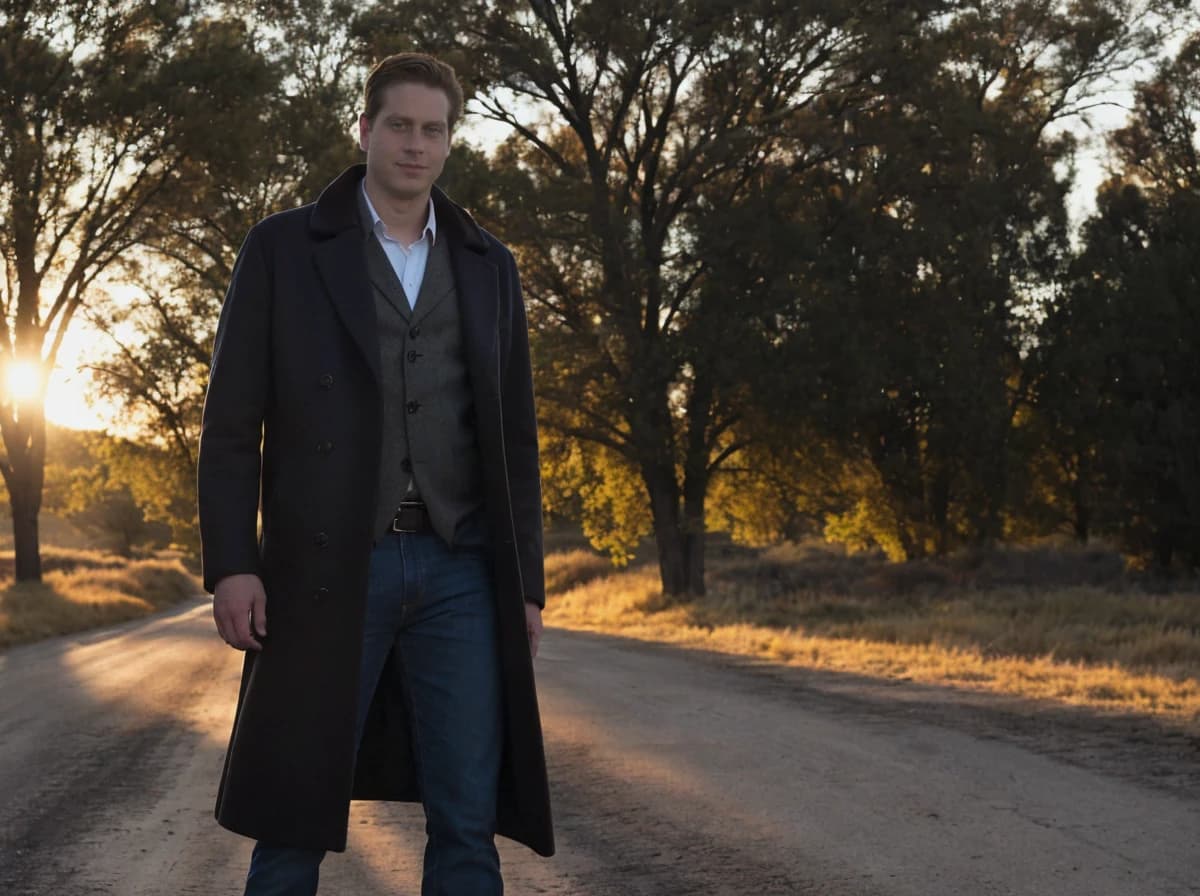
412	506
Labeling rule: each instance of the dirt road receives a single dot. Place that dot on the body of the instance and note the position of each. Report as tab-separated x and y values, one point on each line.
672	774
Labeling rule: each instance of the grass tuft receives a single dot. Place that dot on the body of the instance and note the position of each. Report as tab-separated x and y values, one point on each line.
569	569
87	589
979	622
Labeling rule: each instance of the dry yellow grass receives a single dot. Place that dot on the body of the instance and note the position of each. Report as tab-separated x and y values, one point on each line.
86	589
568	569
1079	645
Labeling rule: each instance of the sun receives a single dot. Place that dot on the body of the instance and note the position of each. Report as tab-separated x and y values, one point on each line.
23	381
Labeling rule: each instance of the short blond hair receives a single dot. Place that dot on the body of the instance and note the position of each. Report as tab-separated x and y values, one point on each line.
412	68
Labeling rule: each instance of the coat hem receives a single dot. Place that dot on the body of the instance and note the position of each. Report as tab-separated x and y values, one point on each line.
254	833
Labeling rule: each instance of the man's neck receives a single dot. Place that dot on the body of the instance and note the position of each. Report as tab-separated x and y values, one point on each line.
405	218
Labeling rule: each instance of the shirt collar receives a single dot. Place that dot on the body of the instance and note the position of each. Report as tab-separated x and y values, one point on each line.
377	225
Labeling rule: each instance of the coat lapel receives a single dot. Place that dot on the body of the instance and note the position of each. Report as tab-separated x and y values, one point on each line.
478	284
342	265
478	303
341	261
437	283
383	275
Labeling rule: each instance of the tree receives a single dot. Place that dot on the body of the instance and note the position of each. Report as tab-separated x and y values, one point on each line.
281	132
270	142
121	493
925	255
96	99
631	122
1119	387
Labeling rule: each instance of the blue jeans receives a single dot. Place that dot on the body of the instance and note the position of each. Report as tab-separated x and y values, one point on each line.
436	605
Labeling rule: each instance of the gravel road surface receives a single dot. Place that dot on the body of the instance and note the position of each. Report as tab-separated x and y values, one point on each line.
673	773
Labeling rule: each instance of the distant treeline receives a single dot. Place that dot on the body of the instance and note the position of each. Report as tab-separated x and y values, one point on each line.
122	496
791	266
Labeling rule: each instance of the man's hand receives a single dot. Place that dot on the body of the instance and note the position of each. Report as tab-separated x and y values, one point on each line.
533	625
240	610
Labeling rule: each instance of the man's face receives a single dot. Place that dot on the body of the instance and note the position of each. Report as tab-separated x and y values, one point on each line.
409	140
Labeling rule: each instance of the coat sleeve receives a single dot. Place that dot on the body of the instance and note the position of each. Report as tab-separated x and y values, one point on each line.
521	445
230	454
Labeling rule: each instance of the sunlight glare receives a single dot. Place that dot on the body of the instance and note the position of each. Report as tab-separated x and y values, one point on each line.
24	380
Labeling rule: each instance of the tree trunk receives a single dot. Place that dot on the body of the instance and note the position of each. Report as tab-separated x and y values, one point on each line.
668	534
693	554
1082	517
995	483
679	538
695	485
26	541
1163	547
939	507
25	442
895	454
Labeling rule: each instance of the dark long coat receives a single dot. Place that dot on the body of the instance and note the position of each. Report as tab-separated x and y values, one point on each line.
296	365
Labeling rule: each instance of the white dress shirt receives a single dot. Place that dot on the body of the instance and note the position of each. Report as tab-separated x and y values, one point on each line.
407	261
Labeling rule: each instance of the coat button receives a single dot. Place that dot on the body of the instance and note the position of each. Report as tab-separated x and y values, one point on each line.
321	539
326	380
412	356
413	406
406	465
414	332
324	447
321	594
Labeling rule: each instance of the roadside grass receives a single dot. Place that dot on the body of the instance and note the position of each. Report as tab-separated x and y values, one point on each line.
1038	623
84	589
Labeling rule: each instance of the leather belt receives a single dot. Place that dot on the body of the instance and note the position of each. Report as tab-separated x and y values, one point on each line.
412	517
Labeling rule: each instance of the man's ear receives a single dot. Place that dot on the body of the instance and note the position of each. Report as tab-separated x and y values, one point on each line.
364	132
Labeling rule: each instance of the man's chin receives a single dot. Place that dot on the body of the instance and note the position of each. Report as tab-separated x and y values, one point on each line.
405	191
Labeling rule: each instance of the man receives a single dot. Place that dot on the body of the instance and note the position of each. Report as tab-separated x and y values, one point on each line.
371	395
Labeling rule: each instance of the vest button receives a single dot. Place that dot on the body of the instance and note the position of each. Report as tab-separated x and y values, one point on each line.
326	380
324	447
414	332
321	594
321	539
406	465
413	406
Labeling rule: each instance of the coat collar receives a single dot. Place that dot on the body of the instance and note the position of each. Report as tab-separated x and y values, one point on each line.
336	209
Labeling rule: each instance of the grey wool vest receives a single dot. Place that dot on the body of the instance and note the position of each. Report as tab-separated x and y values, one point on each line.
428	406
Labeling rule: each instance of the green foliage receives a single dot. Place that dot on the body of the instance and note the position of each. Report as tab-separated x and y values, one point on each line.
925	253
1120	388
598	488
871	522
120	493
782	487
